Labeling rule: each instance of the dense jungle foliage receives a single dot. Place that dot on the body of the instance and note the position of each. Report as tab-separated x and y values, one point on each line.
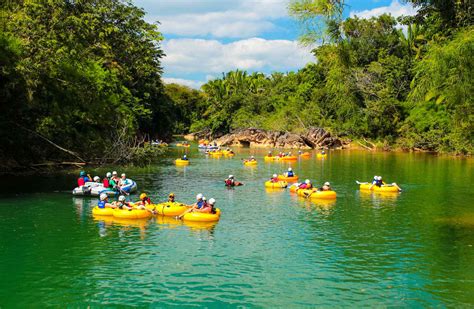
82	75
405	82
81	81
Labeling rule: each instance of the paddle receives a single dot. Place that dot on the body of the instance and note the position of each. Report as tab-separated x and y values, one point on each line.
361	183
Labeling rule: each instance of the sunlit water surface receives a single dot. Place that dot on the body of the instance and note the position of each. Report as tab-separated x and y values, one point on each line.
270	248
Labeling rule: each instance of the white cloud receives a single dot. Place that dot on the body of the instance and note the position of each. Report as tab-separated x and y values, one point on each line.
219	19
186	82
395	8
211	57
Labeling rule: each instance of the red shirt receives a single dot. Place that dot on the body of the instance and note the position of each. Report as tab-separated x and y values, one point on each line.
80	181
105	182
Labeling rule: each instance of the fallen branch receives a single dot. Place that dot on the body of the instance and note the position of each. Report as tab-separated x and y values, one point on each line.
52	143
366	147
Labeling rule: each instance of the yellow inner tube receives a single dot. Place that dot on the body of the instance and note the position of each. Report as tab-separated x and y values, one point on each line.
131	214
366	186
181	162
102	211
168	208
250	162
289	179
202	217
272	158
280	184
311	193
320	155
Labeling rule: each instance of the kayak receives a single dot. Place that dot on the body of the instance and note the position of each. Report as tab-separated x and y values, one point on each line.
102	211
131	214
288	179
289	158
202	217
385	188
181	162
311	193
250	163
172	209
280	184
321	156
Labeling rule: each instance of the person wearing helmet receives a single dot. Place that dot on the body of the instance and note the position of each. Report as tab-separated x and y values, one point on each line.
171	197
83	178
144	200
199	201
306	185
269	154
290	172
185	157
274	178
252	158
97	179
231	182
376	182
122	203
106	180
104	202
326	187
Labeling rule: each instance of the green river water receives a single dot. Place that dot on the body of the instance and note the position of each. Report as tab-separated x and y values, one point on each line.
270	248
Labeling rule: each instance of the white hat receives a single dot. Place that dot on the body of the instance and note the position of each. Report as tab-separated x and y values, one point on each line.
212	201
109	174
231	176
289	169
379	178
252	157
376	177
184	156
204	198
123	175
327	183
199	196
307	181
96	178
103	196
121	198
114	173
275	175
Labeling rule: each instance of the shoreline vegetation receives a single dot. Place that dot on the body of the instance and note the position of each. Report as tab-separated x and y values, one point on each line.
80	83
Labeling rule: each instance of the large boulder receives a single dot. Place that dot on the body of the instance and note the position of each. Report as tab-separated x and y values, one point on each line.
252	137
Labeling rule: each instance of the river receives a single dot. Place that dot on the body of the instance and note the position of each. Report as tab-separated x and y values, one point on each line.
270	248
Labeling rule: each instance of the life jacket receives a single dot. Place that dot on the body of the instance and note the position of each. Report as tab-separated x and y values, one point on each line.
229	182
123	204
101	204
146	201
200	204
274	179
378	183
290	174
80	181
105	182
303	186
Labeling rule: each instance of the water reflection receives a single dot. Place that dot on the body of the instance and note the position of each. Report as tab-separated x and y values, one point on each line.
379	199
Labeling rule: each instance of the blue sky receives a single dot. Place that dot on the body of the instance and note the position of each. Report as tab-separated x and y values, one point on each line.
204	38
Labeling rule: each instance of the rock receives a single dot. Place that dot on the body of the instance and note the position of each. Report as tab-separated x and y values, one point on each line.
255	138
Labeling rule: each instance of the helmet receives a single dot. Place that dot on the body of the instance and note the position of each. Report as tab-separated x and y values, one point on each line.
212	201
171	194
327	183
82	173
108	175
376	177
199	196
252	157
204	198
379	178
143	195
123	175
114	173
307	181
103	197
184	156
231	176
289	169
300	152
275	175
289	153
122	198
323	152
96	178
270	152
